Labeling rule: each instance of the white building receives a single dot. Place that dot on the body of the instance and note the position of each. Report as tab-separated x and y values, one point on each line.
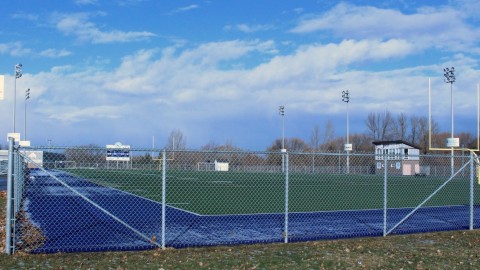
402	157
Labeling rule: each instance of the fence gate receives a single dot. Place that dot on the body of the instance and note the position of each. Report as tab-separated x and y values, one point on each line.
440	200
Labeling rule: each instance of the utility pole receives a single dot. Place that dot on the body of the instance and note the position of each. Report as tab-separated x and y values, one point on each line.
27	97
281	111
18	74
348	146
450	78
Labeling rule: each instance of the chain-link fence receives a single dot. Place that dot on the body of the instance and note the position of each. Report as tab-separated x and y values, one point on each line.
85	199
3	162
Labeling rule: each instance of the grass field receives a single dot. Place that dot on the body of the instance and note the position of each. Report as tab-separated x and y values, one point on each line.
220	193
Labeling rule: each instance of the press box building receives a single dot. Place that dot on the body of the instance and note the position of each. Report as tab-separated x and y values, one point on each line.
402	157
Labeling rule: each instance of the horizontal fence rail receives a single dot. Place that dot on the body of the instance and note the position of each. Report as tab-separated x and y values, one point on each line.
69	199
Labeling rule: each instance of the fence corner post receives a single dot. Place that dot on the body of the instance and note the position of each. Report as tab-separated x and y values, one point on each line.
385	195
9	217
164	192
471	190
285	230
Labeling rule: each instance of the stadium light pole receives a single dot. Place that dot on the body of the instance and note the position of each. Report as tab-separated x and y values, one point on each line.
18	74
449	74
281	111
27	97
346	99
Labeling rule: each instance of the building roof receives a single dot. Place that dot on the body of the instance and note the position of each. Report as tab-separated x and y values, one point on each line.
395	142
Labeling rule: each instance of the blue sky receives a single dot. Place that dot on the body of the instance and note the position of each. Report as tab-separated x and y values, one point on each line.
127	70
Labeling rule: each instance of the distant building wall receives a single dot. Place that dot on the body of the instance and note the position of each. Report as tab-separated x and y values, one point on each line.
402	157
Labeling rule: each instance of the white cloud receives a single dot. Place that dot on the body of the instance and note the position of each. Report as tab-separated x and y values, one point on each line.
78	25
26	16
194	79
86	2
186	8
15	49
54	53
171	69
298	10
130	2
248	28
324	59
158	90
429	27
468	8
69	114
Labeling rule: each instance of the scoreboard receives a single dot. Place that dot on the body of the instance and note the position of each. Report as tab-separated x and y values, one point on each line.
118	152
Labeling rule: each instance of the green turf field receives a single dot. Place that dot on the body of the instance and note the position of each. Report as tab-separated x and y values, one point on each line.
245	193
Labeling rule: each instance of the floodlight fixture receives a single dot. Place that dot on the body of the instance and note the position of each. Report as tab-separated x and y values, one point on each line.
345	96
449	74
18	71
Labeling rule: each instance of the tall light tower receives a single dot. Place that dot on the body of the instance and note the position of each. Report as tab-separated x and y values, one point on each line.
449	74
281	111
18	74
348	145
27	97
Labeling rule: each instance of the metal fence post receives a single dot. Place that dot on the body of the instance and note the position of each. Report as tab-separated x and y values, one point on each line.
19	176
471	191
164	192
385	197
286	198
9	218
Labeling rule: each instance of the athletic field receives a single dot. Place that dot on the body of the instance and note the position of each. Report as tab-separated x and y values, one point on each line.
104	209
224	193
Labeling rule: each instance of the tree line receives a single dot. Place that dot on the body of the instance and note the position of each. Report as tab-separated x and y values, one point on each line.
379	126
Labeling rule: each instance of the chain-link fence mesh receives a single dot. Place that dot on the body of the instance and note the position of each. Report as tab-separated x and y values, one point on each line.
78	199
433	196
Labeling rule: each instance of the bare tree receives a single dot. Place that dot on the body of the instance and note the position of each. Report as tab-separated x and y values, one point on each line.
437	141
210	146
386	121
373	125
90	153
329	134
361	142
291	144
176	140
423	134
400	127
380	125
467	140
335	144
414	129
315	138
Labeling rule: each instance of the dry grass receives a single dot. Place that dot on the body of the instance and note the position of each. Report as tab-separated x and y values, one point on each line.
31	236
